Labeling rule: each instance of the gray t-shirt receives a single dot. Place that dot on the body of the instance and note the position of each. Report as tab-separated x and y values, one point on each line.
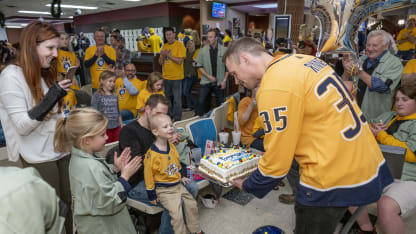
108	106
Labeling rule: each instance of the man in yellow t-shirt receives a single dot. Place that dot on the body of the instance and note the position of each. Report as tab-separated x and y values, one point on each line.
406	40
142	45
99	58
127	89
154	41
409	71
171	58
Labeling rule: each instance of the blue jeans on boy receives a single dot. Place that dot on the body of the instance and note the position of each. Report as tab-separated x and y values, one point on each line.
190	101
139	193
204	100
173	92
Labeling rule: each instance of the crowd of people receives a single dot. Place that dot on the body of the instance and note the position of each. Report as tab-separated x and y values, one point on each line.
309	118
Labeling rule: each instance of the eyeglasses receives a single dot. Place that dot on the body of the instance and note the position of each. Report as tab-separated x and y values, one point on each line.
130	70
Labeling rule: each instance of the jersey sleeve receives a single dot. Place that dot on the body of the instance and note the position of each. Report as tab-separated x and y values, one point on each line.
89	53
410	144
148	176
281	113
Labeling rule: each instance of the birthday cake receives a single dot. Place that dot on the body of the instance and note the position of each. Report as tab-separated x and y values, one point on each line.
229	164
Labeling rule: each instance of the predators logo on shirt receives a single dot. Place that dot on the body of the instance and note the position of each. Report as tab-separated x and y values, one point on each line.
66	62
121	90
66	59
172	169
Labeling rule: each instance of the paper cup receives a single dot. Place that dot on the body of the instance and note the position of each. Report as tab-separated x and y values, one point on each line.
223	137
196	154
236	137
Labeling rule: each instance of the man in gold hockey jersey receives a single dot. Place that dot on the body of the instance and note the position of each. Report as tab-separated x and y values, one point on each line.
309	115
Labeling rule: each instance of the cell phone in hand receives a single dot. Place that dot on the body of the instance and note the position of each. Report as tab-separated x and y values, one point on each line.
70	73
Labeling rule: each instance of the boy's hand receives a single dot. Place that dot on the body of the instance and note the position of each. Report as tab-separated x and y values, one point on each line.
175	138
120	162
154	202
128	170
185	180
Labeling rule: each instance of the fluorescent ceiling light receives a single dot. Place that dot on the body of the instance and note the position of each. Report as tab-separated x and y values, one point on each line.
76	7
400	22
35	12
132	0
270	5
23	25
13	26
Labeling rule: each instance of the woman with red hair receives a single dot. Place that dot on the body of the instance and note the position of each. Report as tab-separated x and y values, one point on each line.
30	104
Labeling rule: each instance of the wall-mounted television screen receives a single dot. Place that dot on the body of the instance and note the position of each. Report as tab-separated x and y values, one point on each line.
218	10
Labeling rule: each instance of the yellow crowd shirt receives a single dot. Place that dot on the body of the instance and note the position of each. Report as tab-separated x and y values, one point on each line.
307	113
126	101
181	36
66	59
410	67
407	45
226	39
194	57
143	96
258	125
172	70
154	41
142	46
100	65
246	128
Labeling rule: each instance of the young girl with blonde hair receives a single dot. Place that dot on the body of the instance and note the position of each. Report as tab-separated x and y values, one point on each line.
106	101
98	196
154	86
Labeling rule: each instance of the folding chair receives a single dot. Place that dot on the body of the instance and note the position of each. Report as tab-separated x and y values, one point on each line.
219	115
202	130
183	123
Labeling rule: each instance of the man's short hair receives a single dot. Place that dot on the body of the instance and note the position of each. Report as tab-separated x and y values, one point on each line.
120	38
169	29
155	99
408	88
245	44
213	30
99	30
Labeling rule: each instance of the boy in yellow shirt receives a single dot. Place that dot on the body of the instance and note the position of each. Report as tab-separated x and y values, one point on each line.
164	181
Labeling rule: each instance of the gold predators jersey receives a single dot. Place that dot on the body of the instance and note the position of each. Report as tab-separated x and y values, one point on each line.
161	169
66	59
309	115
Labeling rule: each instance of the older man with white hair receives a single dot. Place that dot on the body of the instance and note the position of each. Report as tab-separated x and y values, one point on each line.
378	76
